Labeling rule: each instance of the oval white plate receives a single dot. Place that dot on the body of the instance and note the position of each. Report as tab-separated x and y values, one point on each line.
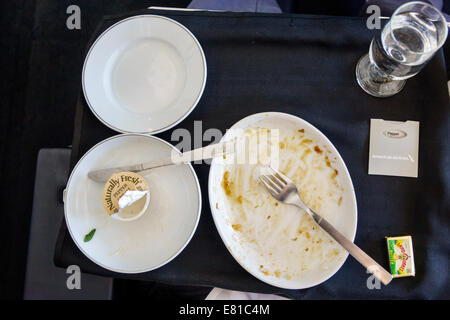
344	219
144	74
160	234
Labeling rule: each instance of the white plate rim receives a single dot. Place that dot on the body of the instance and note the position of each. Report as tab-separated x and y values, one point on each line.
213	208
199	212
170	126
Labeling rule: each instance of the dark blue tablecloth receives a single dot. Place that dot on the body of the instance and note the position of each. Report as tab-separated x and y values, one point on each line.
305	65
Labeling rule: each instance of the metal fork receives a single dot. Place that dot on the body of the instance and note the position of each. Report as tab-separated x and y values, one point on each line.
284	190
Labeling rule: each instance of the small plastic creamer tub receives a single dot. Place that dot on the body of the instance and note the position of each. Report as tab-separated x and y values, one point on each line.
133	205
126	196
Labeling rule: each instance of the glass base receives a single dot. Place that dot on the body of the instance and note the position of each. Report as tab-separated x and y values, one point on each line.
380	87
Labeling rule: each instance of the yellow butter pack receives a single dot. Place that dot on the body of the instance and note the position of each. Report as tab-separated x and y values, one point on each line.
401	256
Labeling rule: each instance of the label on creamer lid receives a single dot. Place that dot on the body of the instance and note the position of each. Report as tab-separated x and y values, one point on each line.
117	185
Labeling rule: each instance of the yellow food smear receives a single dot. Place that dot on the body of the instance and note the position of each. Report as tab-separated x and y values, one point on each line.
226	184
305	153
334	174
237	227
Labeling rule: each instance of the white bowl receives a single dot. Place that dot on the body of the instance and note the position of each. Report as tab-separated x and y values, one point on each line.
160	234
144	74
344	218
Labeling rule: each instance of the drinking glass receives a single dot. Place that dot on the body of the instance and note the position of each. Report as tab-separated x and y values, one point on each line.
414	33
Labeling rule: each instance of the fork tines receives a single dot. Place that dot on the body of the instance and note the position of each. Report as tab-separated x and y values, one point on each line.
275	181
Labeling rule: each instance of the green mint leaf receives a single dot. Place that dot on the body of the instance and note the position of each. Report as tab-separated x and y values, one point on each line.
89	236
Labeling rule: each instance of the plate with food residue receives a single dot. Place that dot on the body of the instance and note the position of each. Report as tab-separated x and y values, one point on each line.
277	243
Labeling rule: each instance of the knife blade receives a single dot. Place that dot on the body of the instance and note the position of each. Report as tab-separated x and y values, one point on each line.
176	157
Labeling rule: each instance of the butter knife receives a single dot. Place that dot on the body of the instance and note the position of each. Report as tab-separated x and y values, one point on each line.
211	151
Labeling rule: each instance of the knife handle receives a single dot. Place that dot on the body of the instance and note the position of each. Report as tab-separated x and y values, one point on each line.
208	152
371	265
176	157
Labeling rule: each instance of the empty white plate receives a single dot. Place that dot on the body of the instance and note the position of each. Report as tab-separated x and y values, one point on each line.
153	239
144	74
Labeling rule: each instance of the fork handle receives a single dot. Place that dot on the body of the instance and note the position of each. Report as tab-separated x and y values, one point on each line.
378	271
